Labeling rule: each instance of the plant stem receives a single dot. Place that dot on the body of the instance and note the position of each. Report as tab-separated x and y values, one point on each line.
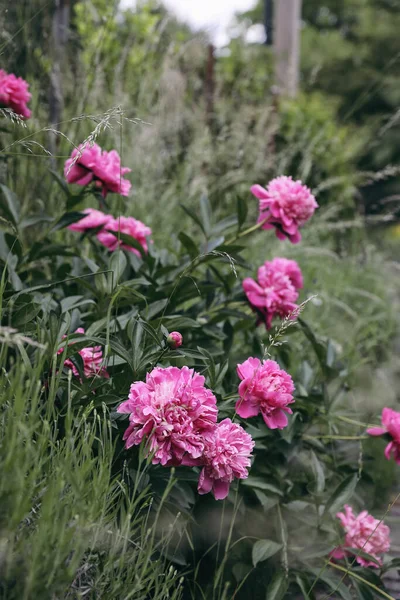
353	422
335	437
247	231
369	584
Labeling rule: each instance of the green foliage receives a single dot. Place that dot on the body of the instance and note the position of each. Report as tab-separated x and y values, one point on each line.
128	303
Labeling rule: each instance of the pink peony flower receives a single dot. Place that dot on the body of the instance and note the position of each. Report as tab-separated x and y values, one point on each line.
91	163
364	533
172	410
175	339
391	426
265	388
128	225
226	456
275	291
14	94
92	358
287	205
95	218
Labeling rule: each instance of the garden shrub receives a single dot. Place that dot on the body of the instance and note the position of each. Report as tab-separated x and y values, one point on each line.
178	400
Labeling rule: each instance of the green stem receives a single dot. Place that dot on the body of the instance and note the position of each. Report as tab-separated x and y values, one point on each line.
353	422
247	231
335	437
359	578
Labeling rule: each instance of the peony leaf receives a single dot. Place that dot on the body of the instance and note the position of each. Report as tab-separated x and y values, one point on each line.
341	495
264	549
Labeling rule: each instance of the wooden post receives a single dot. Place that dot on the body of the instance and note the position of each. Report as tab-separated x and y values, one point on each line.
287	45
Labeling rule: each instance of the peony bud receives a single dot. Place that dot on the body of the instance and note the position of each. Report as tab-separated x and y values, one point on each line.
174	340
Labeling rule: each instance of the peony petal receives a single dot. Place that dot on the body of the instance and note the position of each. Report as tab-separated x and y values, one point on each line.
220	489
246	409
259	192
376	431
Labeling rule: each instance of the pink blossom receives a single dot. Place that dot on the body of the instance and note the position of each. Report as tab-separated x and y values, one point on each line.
14	94
136	229
265	388
94	219
92	358
391	426
226	456
91	163
172	411
364	533
285	205
175	339
275	291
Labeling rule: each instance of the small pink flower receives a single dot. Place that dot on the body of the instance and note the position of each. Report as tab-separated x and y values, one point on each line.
275	291
95	218
175	339
92	358
14	94
92	164
265	388
172	410
364	533
226	457
391	426
285	205
128	225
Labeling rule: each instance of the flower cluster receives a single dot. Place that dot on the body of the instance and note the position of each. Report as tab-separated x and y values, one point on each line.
14	94
109	228
285	205
92	358
365	533
265	389
390	426
276	290
177	417
89	163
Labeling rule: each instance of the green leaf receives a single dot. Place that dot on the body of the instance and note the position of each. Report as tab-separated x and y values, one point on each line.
188	244
392	564
205	210
304	585
34	220
61	182
362	554
241	209
67	219
342	494
10	204
224	224
14	244
318	472
25	310
155	308
240	570
118	263
194	217
334	583
278	587
129	241
258	482
264	549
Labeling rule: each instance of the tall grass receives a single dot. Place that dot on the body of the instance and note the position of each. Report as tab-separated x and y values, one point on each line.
68	529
